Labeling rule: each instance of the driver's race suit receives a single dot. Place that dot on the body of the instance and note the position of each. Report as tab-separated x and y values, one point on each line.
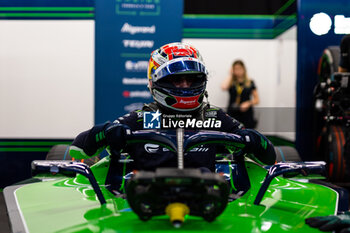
148	156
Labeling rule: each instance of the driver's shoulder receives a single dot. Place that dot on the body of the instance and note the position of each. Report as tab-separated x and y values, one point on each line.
211	111
129	116
134	119
228	124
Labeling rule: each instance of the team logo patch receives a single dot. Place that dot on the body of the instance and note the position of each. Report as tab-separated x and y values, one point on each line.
211	114
151	148
152	120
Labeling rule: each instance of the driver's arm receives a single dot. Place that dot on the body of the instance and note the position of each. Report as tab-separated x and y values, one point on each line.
92	142
257	144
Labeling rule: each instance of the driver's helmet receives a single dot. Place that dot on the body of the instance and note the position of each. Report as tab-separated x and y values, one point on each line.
177	77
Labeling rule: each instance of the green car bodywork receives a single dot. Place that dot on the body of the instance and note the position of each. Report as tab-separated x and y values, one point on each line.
70	205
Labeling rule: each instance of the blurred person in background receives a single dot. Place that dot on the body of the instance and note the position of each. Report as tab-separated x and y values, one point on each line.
243	94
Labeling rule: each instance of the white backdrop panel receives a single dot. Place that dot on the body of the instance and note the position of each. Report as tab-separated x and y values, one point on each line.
46	78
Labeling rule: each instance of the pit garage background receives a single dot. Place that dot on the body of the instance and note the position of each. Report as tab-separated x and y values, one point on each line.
66	65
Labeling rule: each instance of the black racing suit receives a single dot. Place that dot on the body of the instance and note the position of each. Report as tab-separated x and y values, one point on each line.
149	156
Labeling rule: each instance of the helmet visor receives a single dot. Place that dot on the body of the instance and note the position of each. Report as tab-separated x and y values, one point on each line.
188	80
179	66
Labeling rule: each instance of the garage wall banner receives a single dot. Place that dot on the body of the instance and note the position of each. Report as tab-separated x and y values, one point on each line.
126	33
46	9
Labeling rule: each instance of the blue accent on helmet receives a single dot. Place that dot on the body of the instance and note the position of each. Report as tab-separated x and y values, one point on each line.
176	66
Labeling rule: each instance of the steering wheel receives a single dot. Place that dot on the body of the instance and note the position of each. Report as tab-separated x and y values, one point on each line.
189	191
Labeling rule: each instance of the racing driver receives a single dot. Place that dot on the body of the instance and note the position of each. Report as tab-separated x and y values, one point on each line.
177	81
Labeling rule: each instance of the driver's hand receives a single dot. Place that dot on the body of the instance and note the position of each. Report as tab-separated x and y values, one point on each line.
258	145
339	223
116	135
